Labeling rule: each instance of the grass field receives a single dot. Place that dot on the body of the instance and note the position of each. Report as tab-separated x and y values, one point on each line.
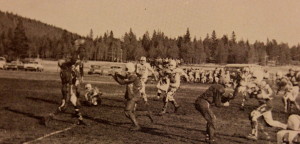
25	97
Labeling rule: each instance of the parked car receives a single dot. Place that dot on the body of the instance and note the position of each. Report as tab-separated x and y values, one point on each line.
111	70
15	65
95	69
33	66
2	63
114	69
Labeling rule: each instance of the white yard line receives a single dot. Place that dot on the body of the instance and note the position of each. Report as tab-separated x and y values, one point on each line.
50	134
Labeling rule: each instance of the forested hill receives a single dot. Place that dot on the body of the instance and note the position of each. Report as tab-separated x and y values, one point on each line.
23	37
33	28
40	38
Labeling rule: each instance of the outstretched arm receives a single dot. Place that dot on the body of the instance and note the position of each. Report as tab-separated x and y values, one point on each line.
122	80
182	73
152	71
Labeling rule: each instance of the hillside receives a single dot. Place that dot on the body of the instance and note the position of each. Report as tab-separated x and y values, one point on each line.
33	28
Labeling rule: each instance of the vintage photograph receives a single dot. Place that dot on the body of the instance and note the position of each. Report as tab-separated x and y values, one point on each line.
149	72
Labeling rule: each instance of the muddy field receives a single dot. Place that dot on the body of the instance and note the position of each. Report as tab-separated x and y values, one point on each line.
25	97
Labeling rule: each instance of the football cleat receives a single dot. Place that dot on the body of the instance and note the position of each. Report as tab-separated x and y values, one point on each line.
252	137
135	128
176	109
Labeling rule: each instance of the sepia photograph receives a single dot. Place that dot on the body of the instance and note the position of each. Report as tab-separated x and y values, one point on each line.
149	72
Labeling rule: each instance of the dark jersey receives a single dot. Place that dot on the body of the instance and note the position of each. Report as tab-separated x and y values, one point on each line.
132	82
213	94
293	79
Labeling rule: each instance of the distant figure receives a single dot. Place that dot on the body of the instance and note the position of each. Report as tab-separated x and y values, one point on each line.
142	70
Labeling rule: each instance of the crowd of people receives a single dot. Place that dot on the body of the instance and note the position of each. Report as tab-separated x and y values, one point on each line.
246	82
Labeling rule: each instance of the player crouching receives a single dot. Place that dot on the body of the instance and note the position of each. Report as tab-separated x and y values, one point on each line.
264	94
215	94
292	134
92	95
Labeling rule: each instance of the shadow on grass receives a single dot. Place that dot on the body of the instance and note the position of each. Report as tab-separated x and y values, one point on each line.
82	102
40	118
113	99
43	100
154	131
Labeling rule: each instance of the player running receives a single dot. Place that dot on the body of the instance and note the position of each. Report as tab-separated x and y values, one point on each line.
163	80
142	70
214	95
260	90
70	79
132	94
174	73
290	91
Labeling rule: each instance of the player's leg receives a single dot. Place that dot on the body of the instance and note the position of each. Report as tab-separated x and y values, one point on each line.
203	107
269	120
280	136
143	89
170	96
129	113
254	115
65	99
165	106
286	102
76	103
294	122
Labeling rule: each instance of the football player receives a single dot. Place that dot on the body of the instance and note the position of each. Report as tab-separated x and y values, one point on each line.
70	79
214	95
132	94
174	73
292	134
163	82
142	70
92	95
290	92
260	90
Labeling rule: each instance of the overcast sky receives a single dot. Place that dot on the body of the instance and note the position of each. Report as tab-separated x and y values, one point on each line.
250	19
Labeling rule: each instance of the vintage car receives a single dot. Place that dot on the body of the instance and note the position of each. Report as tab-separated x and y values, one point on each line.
2	63
33	66
95	69
15	65
234	68
111	70
114	69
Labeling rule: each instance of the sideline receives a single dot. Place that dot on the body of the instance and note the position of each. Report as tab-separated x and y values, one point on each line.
50	134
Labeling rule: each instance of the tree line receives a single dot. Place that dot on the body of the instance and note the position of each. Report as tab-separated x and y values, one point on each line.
26	38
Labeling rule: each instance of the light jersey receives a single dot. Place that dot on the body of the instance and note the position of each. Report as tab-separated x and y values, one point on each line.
246	77
263	93
143	69
174	76
93	92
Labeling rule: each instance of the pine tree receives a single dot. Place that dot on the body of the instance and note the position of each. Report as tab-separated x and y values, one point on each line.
187	36
20	42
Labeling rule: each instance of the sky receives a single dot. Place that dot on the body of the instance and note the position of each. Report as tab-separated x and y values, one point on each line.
250	19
